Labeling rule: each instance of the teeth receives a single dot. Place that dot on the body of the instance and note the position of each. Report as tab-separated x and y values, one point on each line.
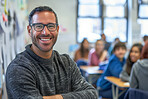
45	39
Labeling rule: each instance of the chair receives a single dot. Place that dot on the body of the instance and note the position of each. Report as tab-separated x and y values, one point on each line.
133	93
80	63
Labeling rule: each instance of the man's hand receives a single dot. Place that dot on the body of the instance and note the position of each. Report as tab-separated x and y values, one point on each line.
53	97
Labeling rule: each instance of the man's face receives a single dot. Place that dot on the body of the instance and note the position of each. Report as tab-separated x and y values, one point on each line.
43	40
120	52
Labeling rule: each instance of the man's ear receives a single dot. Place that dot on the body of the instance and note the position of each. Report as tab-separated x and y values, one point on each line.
29	30
58	28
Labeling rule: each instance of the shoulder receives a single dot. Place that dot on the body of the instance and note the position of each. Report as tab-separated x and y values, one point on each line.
137	65
62	56
65	58
19	63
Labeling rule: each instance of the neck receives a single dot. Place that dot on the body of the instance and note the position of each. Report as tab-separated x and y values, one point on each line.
45	55
121	59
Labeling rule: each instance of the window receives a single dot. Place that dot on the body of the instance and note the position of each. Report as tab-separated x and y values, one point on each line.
102	16
115	20
88	20
143	16
115	27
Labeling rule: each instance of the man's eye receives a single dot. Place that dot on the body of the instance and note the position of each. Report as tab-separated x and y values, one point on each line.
51	26
39	26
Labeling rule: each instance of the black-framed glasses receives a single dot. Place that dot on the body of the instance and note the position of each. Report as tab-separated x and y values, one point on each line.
39	26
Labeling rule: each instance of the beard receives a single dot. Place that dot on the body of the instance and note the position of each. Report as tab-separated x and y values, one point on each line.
35	42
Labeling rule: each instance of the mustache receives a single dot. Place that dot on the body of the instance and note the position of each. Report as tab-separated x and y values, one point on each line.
42	35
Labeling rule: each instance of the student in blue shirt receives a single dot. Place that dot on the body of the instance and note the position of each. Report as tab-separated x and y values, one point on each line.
114	68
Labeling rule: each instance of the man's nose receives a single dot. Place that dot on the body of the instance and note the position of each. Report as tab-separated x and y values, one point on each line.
45	31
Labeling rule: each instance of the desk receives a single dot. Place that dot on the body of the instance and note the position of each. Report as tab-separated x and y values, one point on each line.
91	72
117	83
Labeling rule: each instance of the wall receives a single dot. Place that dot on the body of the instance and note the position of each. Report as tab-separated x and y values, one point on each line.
134	28
12	30
66	12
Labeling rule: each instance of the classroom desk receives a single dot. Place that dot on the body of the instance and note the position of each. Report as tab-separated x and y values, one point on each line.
117	83
91	72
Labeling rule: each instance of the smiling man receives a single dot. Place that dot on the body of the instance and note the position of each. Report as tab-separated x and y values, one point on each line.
40	72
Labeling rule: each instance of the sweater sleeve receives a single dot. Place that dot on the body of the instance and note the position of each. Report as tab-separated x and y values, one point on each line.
20	83
124	75
81	89
133	77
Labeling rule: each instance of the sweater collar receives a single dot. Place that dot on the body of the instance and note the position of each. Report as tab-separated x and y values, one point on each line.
38	58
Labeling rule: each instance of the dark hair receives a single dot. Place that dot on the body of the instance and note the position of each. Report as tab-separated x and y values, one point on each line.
118	45
144	53
145	37
129	63
40	9
82	50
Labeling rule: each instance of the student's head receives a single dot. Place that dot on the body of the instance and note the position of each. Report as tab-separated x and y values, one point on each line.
43	28
145	38
135	52
144	54
85	44
99	46
103	37
84	47
134	55
119	50
117	39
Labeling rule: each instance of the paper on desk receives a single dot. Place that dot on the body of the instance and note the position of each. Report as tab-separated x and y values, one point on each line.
127	84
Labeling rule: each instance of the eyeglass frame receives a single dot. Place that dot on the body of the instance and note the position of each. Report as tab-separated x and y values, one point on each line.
33	24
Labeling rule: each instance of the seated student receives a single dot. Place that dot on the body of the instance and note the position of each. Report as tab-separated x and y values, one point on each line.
107	44
133	56
139	74
82	52
112	46
116	62
99	55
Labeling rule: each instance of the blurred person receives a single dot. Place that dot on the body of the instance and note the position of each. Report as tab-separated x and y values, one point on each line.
83	51
107	44
134	55
110	50
114	68
145	39
40	72
139	74
99	55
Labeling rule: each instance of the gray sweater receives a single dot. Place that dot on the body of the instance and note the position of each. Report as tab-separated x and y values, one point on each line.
124	75
139	75
30	77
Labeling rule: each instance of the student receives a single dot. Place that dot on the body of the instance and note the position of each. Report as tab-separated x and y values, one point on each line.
82	52
40	72
112	46
145	39
139	74
107	44
133	56
99	55
114	68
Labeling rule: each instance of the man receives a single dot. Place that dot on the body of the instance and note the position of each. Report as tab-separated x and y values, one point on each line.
41	72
